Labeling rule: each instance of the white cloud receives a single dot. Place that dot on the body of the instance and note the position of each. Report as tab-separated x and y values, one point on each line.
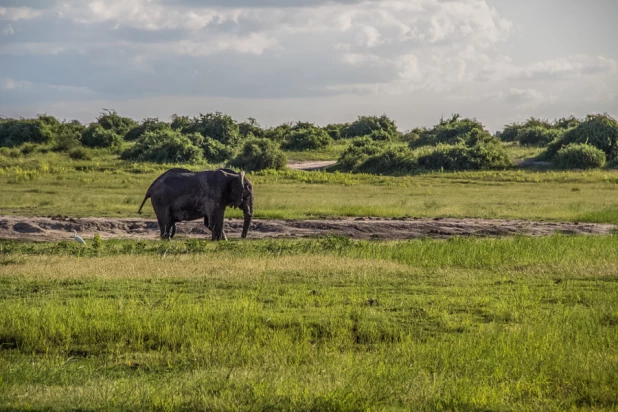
523	97
11	84
7	31
568	67
18	13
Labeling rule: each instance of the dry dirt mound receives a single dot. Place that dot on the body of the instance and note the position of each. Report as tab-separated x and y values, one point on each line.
60	228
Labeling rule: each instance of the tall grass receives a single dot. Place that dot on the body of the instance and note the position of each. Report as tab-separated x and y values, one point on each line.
327	324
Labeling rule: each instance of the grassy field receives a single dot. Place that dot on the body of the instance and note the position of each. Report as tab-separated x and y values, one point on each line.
52	185
330	324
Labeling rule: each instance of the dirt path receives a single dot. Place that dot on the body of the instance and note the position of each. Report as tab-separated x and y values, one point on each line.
60	228
311	165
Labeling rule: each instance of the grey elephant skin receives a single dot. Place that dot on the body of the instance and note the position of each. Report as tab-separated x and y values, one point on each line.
181	194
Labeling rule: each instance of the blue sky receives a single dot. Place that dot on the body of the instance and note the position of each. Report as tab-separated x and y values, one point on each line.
322	61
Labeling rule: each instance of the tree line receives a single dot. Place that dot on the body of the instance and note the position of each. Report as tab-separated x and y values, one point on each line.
374	144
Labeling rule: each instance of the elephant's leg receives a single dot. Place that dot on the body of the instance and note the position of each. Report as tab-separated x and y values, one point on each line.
217	224
161	227
172	229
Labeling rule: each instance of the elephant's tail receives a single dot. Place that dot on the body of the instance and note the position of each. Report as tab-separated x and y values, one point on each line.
144	201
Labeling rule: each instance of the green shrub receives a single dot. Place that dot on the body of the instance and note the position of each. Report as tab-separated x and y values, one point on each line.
481	152
335	130
566	123
180	123
579	156
391	161
450	131
600	131
97	136
511	131
260	154
164	146
250	129
213	150
380	135
359	150
15	132
412	136
218	126
305	136
69	136
278	134
110	120
27	148
365	125
80	153
537	136
148	125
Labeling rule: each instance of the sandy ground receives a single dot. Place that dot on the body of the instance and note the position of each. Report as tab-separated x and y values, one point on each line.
311	165
60	228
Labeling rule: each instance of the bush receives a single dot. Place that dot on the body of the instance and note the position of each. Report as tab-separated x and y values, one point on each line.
392	161
480	152
110	120
180	123
450	131
380	135
305	136
15	132
600	131
359	150
566	123
412	136
218	126
148	125
260	154
164	146
27	148
537	136
80	153
335	131
69	135
213	150
579	156
365	125
97	136
279	133
250	129
511	131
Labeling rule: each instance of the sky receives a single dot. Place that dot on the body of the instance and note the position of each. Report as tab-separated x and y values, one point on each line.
498	61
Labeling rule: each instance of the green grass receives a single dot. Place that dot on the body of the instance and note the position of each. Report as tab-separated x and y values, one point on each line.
330	324
52	185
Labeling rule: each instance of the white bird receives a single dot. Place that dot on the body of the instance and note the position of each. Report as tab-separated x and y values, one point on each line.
77	238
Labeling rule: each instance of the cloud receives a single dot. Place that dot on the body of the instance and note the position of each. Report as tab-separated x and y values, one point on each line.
568	67
11	84
521	97
7	31
375	50
18	13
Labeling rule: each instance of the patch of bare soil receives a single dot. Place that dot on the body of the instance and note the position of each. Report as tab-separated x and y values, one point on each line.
61	228
311	165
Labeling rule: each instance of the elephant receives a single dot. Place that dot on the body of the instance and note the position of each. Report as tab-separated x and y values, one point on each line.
181	194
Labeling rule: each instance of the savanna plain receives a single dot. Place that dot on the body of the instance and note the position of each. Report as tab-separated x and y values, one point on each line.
317	324
330	323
